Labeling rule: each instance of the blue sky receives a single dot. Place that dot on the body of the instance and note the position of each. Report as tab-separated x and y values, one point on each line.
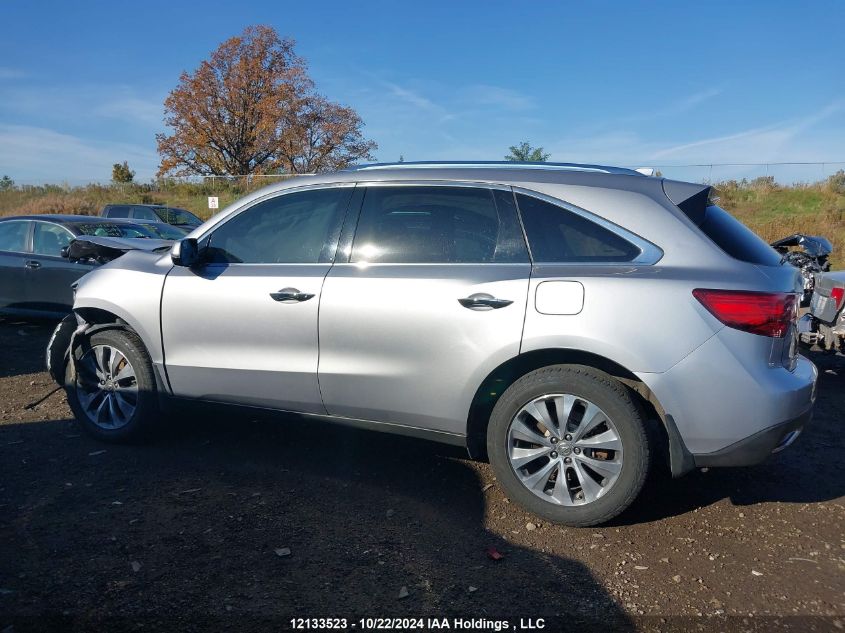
82	84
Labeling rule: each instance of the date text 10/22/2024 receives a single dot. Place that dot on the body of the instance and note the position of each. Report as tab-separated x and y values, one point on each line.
422	624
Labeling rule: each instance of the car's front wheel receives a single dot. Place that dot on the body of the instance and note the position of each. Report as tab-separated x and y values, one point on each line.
111	387
568	443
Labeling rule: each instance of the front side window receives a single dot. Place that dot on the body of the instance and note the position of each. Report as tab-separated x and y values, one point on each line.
13	235
557	235
432	224
294	228
50	239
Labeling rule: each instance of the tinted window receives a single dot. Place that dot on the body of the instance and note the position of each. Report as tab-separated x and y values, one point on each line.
117	212
50	239
436	225
295	228
176	216
142	213
558	235
736	239
13	235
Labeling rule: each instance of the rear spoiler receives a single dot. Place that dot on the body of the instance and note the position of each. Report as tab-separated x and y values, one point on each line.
691	198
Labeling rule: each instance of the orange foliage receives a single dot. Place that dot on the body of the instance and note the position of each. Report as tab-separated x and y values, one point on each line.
252	109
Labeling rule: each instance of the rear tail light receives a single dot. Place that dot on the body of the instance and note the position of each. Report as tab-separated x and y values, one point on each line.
764	313
837	295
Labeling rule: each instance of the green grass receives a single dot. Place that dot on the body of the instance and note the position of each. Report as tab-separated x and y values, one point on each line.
771	210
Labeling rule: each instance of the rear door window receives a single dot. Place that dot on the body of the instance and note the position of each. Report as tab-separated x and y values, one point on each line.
558	235
437	225
13	235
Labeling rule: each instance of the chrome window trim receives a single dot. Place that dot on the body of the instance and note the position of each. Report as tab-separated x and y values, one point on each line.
434	183
649	255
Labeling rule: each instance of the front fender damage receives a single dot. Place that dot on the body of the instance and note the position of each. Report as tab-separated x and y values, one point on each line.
63	340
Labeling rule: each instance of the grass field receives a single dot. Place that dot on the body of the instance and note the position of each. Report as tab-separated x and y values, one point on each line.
773	211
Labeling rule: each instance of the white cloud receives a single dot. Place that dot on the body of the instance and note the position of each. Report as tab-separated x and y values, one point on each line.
132	109
797	140
411	97
36	154
496	97
109	101
777	142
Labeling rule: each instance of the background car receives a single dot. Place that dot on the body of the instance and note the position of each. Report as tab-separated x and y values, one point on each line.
151	213
35	279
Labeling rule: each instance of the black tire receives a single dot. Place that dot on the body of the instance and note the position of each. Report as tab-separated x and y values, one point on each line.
146	414
614	399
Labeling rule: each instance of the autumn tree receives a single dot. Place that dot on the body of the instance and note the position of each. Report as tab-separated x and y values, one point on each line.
252	109
120	172
524	153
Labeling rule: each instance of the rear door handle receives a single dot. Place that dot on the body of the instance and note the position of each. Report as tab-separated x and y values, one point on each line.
31	263
290	295
482	301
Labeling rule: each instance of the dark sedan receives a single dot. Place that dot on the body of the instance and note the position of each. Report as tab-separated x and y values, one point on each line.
35	278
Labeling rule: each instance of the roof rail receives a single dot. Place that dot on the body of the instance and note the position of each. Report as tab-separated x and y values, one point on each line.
601	169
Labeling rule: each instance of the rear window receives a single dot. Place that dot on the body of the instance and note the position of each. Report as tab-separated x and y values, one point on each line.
736	239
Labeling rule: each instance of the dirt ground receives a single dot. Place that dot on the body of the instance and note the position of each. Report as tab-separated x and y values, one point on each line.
231	523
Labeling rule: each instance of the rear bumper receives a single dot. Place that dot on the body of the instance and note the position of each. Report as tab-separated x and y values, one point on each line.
756	448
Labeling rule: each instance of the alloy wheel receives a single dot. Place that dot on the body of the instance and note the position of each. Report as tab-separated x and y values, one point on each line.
564	449
106	387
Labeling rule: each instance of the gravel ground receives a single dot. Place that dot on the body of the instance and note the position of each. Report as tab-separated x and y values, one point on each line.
232	523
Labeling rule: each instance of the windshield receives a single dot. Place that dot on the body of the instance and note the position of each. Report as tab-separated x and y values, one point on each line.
105	229
177	216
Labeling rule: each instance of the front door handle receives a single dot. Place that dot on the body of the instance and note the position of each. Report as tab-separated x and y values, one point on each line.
31	263
290	295
483	301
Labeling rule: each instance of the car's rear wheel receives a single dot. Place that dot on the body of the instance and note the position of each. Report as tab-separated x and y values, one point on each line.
568	443
111	387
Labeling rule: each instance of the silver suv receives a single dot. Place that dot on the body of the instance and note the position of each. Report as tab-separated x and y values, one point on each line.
570	322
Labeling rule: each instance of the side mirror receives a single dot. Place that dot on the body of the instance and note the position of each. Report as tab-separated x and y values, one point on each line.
64	252
185	252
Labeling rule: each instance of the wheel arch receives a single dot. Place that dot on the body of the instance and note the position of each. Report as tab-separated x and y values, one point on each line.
97	319
503	376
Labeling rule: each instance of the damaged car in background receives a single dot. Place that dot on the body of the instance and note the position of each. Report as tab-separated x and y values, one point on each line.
824	291
41	256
